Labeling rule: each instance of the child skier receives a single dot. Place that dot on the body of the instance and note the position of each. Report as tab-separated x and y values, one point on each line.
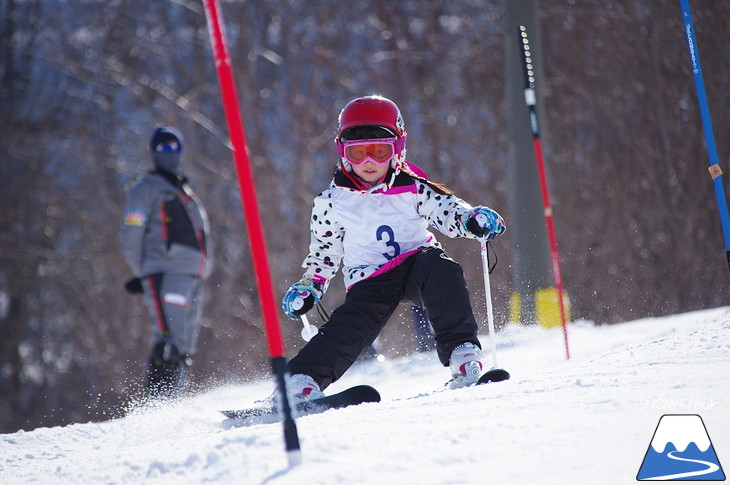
374	217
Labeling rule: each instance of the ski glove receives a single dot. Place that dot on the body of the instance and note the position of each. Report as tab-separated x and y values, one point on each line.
301	297
484	223
134	286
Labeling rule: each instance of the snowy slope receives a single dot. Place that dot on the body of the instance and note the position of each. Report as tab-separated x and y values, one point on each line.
587	420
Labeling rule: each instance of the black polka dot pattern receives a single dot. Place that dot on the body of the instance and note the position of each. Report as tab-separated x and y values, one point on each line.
443	212
326	251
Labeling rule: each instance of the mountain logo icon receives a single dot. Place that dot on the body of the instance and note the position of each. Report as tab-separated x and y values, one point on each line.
681	450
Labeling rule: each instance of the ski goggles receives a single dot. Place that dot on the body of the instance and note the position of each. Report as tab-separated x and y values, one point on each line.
378	151
170	146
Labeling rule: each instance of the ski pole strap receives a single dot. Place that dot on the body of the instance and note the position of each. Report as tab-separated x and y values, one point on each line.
490	249
715	171
323	313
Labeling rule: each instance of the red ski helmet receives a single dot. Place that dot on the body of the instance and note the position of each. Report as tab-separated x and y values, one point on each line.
373	110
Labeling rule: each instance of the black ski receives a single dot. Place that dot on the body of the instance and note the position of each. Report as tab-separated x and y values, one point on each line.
493	375
349	397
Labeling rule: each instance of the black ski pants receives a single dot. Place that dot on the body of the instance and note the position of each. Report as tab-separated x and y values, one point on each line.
429	279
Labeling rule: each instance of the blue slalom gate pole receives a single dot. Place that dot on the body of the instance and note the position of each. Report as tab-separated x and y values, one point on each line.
715	170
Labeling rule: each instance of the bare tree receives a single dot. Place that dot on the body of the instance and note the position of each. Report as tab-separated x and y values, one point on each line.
635	216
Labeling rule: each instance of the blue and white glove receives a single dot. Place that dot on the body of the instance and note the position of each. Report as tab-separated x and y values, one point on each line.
484	223
301	297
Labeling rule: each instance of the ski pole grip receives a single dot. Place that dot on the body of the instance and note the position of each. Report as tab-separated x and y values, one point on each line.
297	304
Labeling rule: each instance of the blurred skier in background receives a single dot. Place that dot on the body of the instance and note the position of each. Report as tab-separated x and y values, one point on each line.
164	241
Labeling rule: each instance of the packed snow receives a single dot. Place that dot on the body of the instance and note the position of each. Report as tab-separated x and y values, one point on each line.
589	419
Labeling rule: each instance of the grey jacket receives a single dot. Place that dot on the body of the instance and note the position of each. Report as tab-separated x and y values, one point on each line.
164	229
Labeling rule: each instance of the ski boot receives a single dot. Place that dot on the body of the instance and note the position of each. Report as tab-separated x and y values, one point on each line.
466	366
302	387
168	371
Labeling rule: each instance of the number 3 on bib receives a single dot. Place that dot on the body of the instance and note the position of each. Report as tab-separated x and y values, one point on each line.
390	241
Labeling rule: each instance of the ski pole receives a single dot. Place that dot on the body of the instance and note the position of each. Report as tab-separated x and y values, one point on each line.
495	374
715	171
531	101
246	185
488	298
308	331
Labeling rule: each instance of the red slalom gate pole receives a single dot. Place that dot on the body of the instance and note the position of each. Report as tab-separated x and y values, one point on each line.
530	100
253	220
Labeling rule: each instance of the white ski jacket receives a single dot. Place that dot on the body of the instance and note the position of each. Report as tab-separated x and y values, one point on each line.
374	230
